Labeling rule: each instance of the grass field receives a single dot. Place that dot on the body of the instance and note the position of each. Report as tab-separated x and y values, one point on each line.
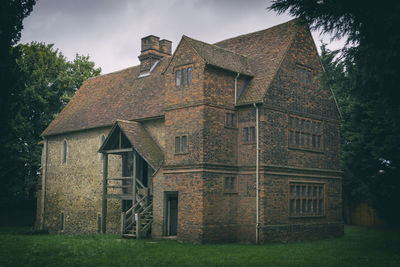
359	247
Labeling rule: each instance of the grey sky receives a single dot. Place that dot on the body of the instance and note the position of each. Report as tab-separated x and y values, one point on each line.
110	30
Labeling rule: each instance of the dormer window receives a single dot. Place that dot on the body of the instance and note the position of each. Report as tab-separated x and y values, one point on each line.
183	76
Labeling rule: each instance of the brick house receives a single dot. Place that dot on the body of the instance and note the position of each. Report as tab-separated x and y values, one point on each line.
227	142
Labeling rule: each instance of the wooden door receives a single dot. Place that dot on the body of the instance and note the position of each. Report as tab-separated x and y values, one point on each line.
172	215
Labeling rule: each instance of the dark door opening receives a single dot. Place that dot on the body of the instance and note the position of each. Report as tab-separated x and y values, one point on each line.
171	222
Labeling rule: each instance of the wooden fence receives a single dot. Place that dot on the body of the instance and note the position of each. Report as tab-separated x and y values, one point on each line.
361	214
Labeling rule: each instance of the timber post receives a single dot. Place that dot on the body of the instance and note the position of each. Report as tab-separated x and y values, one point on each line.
123	219
137	217
104	200
134	179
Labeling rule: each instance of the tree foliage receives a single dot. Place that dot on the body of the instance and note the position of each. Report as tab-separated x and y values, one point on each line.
365	79
46	82
12	13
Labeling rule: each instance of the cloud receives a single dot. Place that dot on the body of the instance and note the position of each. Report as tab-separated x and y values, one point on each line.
110	30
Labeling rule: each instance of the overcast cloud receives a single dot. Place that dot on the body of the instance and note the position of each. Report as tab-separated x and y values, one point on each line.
109	31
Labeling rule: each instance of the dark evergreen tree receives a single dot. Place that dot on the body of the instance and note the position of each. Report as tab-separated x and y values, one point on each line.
366	80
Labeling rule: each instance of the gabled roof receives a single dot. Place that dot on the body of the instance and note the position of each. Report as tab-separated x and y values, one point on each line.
123	95
265	50
120	95
140	140
220	57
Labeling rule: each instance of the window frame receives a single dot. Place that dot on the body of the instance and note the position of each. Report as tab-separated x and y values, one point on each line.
304	75
230	184
64	152
183	76
182	143
249	135
304	134
300	198
230	120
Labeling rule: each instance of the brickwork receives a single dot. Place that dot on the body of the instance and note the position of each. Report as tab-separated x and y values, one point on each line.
215	177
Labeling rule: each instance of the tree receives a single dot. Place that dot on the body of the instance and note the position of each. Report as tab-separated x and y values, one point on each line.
46	83
365	79
12	13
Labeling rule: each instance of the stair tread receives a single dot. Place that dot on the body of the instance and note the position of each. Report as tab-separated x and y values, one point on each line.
129	235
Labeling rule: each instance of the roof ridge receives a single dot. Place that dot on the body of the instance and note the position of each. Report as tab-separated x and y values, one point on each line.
216	46
119	120
113	72
259	31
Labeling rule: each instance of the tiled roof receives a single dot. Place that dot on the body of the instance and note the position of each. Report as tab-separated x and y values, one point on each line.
220	57
120	95
142	142
265	51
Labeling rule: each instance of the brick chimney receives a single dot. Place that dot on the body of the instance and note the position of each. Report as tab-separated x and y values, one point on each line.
153	50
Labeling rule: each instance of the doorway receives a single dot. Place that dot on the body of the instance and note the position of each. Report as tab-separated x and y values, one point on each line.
171	212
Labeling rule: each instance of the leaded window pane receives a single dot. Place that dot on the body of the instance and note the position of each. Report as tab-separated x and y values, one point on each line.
184	143
189	75
184	77
177	144
178	78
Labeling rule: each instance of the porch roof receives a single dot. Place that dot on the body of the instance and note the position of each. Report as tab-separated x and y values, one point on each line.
140	140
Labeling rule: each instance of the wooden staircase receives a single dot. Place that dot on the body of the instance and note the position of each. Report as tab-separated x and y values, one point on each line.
136	221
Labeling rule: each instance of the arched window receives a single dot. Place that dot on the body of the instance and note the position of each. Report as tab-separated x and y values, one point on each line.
65	151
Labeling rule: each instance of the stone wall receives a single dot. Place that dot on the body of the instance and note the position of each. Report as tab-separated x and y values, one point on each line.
74	188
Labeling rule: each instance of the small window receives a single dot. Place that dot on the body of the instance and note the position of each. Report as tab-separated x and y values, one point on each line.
189	72
183	76
181	144
65	150
246	134
249	134
178	78
303	76
62	221
230	120
230	184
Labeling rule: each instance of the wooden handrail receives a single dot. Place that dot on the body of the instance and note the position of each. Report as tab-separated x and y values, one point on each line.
120	178
140	183
147	208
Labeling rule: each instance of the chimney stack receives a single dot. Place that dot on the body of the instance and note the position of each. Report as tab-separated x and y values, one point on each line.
152	51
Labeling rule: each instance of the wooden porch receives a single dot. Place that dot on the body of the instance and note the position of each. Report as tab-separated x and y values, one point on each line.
133	187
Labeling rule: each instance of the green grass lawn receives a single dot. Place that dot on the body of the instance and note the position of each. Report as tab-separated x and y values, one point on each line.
359	247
